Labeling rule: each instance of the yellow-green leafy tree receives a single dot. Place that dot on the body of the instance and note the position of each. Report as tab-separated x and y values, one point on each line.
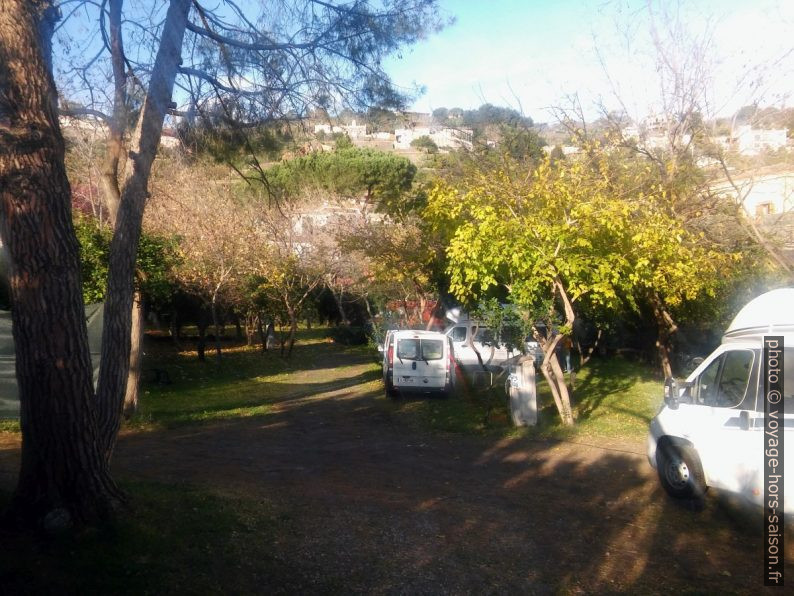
565	235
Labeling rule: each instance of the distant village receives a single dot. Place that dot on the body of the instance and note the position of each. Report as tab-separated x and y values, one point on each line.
766	191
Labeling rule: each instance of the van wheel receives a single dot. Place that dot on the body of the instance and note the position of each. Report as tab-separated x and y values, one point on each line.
680	472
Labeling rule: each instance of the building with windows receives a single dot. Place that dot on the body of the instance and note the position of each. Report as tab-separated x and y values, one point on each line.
751	141
444	138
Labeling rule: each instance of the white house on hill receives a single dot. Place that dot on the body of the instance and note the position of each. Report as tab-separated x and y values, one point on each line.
751	141
444	138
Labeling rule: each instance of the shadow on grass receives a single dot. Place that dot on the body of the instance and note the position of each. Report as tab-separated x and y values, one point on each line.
227	404
242	362
309	498
604	379
177	538
612	399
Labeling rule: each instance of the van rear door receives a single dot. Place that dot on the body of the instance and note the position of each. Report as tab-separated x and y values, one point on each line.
420	362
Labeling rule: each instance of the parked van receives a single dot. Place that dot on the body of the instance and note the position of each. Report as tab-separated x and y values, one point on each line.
418	361
470	339
710	430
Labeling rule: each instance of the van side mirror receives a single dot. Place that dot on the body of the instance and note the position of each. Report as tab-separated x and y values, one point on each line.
744	420
671	393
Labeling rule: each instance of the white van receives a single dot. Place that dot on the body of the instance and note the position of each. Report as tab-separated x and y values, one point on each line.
418	361
710	430
470	339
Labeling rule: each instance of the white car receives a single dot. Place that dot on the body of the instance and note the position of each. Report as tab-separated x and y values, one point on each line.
418	362
710	430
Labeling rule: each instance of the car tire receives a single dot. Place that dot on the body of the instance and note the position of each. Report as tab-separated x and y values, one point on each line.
680	471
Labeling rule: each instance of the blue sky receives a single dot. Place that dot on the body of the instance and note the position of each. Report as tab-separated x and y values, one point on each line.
530	53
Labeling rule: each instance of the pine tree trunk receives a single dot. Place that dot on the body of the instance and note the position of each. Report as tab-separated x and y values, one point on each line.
136	354
109	174
64	474
145	140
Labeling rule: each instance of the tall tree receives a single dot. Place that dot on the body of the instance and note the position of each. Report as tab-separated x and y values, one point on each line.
255	68
64	472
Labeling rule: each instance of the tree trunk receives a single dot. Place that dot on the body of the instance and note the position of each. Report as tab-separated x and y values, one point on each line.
251	322
124	246
109	178
365	298
339	307
555	391
566	412
293	329
262	333
109	183
202	341
202	338
552	372
665	328
136	354
64	475
174	329
216	325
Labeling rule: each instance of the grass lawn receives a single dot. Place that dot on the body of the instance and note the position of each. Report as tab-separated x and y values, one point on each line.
177	536
613	399
246	383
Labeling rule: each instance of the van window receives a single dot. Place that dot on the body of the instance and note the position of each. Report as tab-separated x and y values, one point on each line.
408	349
420	349
432	349
735	378
458	334
706	385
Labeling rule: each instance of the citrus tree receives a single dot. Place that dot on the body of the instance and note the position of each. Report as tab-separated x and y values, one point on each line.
567	235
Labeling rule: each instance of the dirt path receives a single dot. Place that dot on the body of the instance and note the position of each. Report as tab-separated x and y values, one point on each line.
376	506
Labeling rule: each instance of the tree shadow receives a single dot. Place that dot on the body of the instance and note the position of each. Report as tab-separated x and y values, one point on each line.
359	501
604	379
276	394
